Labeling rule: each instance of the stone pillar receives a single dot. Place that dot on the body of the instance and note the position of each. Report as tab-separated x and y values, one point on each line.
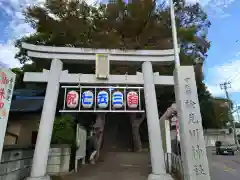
193	150
168	136
168	143
154	133
46	124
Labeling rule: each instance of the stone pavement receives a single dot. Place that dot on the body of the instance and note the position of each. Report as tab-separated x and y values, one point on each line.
115	165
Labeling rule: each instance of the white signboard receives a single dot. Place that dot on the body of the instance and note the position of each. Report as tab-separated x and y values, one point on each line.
81	138
102	66
7	81
195	162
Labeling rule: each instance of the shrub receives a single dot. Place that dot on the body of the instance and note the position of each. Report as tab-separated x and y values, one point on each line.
63	130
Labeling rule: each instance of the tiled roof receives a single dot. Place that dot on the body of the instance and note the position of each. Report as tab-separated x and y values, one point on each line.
26	105
28	97
27	92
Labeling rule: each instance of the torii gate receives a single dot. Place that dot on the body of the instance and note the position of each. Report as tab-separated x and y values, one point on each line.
185	88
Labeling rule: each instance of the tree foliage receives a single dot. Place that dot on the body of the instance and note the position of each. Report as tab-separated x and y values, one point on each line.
217	115
19	84
63	130
19	78
137	25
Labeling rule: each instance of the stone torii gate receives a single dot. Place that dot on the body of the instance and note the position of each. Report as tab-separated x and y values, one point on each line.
185	89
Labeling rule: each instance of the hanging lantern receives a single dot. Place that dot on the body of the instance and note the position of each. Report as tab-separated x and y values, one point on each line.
117	99
72	99
132	99
87	99
102	99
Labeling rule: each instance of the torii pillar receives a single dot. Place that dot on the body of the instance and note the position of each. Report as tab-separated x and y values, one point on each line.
154	132
42	147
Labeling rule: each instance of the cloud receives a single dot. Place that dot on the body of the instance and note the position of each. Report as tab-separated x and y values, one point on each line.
238	54
225	72
3	65
236	116
8	52
217	8
17	27
215	89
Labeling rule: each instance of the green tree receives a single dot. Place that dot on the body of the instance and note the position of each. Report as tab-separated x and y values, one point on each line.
138	25
19	78
222	112
33	67
63	130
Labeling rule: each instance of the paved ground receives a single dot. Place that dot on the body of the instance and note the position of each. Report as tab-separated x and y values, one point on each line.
117	166
225	167
136	166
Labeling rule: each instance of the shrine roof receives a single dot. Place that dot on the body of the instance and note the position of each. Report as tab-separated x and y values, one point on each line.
27	100
26	105
27	92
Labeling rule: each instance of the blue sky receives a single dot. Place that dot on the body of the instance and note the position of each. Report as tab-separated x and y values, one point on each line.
223	60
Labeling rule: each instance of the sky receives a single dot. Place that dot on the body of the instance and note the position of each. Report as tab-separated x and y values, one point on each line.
222	63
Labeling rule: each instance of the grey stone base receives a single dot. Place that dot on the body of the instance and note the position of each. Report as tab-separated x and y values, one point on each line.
160	177
39	178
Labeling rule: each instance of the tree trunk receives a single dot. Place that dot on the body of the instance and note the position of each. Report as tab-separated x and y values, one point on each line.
136	122
99	129
137	143
170	112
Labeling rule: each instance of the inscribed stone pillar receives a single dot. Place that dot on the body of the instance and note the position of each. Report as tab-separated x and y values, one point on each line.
154	133
193	150
46	123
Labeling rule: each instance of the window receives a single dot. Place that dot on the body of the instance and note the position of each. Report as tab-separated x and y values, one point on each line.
34	137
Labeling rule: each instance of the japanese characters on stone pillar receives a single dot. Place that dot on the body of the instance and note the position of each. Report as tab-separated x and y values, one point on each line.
195	162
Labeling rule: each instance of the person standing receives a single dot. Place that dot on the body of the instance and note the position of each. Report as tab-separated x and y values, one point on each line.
91	148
